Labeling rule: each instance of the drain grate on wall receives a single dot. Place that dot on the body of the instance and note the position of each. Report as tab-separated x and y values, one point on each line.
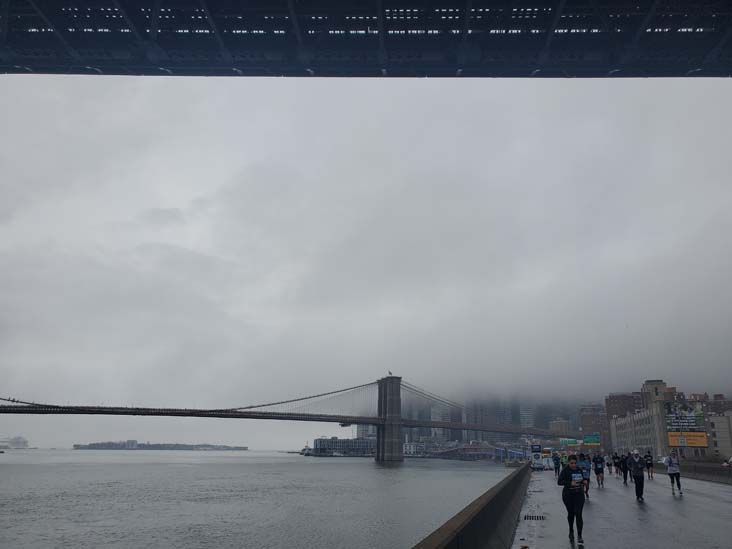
534	517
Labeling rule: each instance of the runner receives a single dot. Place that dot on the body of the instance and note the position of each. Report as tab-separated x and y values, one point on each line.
648	458
616	463
564	460
623	460
636	466
673	465
557	464
599	463
586	467
609	463
571	479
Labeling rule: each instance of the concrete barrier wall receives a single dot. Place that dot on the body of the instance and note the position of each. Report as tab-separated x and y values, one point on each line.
712	472
489	522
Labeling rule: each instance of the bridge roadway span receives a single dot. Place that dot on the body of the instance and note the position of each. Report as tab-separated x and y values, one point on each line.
613	517
249	414
404	38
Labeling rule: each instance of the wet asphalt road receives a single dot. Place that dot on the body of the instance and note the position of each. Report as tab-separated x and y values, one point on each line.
702	517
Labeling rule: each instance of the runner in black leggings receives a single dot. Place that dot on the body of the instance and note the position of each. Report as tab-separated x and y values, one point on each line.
573	496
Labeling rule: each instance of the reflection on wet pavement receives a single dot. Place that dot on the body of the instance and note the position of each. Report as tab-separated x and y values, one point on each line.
701	517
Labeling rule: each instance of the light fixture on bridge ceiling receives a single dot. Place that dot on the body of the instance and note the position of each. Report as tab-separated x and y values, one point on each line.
165	70
95	69
612	72
237	71
310	71
23	67
383	72
535	72
459	72
694	71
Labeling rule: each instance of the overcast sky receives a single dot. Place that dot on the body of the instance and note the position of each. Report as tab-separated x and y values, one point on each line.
222	242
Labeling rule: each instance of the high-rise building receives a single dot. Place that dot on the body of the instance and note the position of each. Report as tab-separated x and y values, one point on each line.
719	404
481	412
644	430
526	416
622	404
653	390
720	434
592	419
559	427
366	431
667	419
440	413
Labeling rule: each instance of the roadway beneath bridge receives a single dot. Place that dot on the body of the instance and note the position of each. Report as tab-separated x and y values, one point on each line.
613	518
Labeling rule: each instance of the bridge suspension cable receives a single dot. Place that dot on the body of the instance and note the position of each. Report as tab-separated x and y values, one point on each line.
359	400
329	393
430	396
16	401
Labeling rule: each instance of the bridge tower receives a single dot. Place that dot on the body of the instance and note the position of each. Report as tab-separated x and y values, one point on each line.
389	433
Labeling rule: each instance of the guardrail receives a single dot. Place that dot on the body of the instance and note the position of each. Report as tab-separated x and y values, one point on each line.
489	522
713	472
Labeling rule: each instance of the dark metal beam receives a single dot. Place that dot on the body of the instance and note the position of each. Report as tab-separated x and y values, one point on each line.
691	20
130	25
466	19
301	54
601	16
71	51
600	54
507	15
550	31
295	22
5	15
633	45
383	56
644	24
713	54
154	21
215	28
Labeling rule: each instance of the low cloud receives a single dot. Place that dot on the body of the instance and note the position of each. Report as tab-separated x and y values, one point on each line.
476	237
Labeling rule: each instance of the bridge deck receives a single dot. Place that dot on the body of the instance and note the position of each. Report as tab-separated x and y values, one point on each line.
473	38
186	412
257	414
613	518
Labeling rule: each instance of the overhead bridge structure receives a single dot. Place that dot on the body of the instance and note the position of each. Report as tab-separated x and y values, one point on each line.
389	403
404	38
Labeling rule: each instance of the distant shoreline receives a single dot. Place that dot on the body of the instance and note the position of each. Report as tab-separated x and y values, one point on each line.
133	445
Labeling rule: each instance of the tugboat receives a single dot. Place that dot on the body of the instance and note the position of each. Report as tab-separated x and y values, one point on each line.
307	451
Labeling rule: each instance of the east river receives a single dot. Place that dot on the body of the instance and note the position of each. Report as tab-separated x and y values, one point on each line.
188	499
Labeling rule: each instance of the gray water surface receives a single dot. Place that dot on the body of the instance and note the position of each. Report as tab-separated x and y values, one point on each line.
183	499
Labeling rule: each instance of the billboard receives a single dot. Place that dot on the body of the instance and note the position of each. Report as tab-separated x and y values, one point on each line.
685	425
684	416
592	439
687	439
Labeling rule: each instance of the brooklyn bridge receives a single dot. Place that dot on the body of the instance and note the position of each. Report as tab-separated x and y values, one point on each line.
389	403
404	38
